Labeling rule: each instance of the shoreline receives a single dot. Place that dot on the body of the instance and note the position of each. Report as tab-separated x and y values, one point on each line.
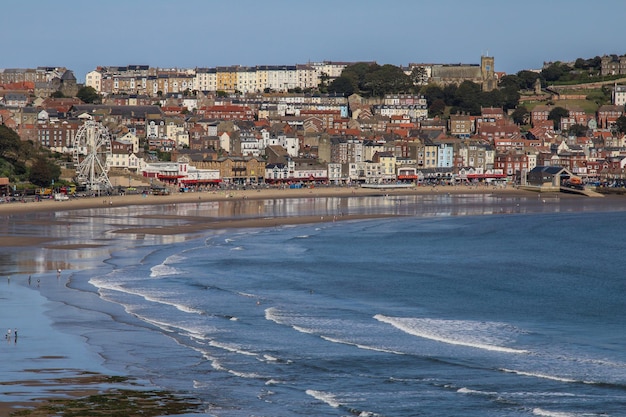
78	203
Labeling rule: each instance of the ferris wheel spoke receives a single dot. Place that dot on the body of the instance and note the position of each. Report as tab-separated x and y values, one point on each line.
92	151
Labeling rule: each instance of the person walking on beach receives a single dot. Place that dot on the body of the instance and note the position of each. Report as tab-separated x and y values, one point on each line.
15	334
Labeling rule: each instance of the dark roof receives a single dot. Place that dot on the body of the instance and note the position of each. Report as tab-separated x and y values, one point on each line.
550	170
128	111
68	76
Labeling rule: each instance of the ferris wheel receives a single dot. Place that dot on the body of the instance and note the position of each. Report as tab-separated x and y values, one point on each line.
92	155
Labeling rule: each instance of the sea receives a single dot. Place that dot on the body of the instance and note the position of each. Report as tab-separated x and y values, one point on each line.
454	305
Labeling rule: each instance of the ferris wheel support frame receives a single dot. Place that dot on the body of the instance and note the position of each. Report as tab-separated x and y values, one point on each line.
92	150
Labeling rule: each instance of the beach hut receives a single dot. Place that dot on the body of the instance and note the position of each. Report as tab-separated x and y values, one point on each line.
548	175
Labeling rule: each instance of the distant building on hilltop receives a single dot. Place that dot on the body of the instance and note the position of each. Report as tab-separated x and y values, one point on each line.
613	65
483	74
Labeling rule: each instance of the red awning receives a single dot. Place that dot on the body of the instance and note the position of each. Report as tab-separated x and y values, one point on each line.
183	181
481	176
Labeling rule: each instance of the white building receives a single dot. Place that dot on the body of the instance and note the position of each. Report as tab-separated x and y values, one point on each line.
94	80
205	79
290	144
619	95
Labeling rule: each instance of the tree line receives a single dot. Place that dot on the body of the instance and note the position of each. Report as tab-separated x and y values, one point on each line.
21	161
374	80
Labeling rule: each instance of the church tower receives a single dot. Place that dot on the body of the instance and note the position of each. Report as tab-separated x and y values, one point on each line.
487	73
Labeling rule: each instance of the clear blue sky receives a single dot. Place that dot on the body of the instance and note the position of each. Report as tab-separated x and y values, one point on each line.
520	34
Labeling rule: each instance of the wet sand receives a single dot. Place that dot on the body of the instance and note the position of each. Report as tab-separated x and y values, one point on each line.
13	209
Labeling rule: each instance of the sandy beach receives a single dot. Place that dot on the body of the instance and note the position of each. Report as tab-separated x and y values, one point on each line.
113	201
43	362
260	193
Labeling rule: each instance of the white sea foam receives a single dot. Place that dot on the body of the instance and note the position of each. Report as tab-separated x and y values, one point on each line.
247	375
237	248
231	348
547	413
198	384
480	335
544	376
155	297
302	330
162	270
245	294
475	392
273	382
272	314
324	397
175	259
360	346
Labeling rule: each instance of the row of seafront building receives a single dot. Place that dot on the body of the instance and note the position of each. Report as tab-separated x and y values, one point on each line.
348	140
143	79
318	136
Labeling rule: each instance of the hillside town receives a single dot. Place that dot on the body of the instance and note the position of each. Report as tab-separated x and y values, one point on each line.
202	127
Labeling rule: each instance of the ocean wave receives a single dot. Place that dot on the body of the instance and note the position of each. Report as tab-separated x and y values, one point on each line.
361	346
231	348
546	376
547	413
163	270
475	392
247	375
103	285
323	328
273	382
272	359
324	397
332	401
480	335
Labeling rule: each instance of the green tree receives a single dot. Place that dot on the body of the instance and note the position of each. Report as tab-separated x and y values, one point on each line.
88	95
388	79
437	108
323	85
467	98
620	124
357	73
43	171
510	81
527	79
510	98
520	115
432	93
418	75
342	85
577	130
556	71
9	143
556	114
57	94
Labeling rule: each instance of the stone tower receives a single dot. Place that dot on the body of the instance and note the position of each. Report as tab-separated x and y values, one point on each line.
538	86
488	73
